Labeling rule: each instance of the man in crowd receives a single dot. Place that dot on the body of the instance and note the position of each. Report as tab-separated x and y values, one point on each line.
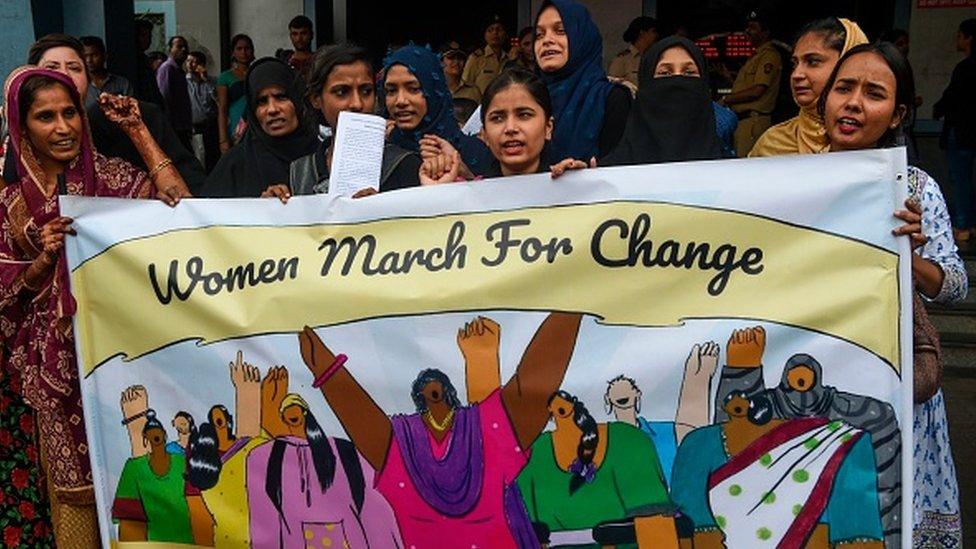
203	106
641	34
958	107
754	91
145	84
100	78
300	59
484	64
176	96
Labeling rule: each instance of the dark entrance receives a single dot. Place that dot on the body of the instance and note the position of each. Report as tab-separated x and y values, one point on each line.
376	24
703	17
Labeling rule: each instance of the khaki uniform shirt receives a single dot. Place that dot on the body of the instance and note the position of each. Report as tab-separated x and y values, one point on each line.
466	91
762	68
626	65
482	67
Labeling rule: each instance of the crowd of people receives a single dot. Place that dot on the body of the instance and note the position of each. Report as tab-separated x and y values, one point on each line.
541	103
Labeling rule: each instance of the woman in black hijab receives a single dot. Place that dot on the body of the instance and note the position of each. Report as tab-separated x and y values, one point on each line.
672	119
277	134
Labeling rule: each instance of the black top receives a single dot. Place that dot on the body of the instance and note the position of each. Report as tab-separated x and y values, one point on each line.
261	160
958	104
406	174
614	120
111	141
672	119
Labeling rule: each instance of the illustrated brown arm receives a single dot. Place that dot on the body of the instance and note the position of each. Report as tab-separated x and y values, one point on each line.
479	341
201	521
133	530
364	421
539	374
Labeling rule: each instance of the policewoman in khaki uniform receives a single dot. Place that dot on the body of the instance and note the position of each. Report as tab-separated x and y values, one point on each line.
754	92
484	64
452	59
641	34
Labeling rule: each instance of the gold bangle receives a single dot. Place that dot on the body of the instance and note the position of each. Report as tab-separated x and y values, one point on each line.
159	167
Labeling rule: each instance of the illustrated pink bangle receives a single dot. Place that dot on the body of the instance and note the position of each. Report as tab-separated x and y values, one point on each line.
324	376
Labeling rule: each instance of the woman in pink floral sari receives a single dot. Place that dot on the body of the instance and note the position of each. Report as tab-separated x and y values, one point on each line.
50	139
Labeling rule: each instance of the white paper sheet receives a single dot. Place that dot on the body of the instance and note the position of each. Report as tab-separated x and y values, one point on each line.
358	155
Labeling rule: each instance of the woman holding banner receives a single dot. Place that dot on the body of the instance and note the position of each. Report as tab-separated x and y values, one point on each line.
590	111
341	79
277	134
673	119
867	96
516	116
50	139
421	108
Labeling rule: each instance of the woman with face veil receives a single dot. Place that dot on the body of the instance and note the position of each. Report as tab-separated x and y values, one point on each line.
672	118
276	135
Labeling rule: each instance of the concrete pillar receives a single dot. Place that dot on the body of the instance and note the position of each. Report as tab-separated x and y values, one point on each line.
265	22
18	34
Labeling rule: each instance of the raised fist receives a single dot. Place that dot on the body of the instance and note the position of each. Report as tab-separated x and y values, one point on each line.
745	349
479	339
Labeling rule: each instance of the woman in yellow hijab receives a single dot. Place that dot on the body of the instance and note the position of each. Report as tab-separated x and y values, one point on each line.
820	44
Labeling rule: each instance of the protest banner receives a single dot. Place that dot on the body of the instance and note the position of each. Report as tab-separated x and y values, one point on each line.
635	354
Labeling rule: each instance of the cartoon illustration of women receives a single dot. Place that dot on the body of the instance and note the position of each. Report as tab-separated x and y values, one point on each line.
185	430
802	394
309	490
623	400
149	501
216	467
755	481
582	474
449	470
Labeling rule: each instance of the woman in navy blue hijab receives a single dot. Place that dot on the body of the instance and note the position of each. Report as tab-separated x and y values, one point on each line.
419	103
590	111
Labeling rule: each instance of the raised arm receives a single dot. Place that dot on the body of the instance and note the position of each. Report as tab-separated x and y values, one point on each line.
274	387
247	397
135	403
364	421
166	179
479	341
743	367
693	410
539	374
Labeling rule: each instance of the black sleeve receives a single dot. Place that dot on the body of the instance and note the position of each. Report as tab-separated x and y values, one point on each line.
161	130
614	119
222	181
405	175
111	141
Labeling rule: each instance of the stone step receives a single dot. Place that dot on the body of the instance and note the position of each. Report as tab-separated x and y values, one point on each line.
952	321
959	352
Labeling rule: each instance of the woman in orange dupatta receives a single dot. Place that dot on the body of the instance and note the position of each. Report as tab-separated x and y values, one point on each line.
820	44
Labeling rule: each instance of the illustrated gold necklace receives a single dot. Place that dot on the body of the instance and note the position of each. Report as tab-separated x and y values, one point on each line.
442	426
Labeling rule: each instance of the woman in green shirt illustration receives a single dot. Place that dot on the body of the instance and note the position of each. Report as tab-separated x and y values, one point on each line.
583	474
150	504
